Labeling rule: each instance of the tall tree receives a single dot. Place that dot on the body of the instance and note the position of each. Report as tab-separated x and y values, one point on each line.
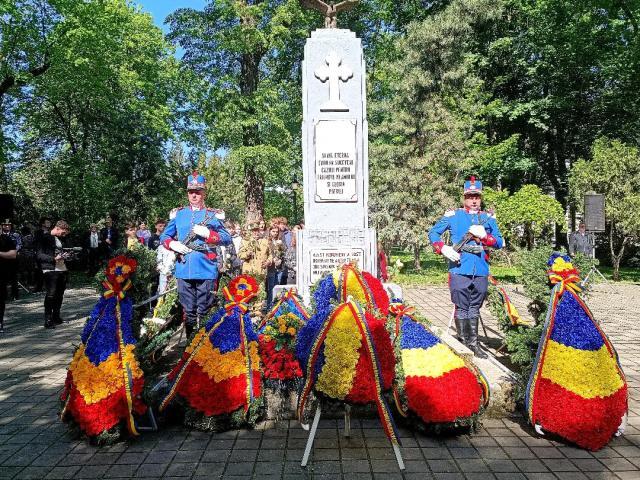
247	55
423	130
95	124
560	73
28	40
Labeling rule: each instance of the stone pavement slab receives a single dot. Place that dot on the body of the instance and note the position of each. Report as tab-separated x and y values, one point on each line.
35	444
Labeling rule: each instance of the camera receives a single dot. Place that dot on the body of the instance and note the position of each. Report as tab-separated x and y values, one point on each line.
70	253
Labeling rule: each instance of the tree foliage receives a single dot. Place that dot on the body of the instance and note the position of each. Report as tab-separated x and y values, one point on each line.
92	129
558	73
424	128
612	170
246	56
525	216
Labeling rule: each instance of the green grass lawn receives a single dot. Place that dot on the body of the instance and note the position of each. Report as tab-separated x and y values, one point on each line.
627	275
434	271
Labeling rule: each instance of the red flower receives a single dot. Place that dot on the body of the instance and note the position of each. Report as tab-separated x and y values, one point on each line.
456	394
363	389
380	297
278	364
120	268
98	417
242	287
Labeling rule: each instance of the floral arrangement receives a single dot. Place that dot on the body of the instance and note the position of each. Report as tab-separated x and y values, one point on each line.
433	382
278	333
345	349
577	389
281	368
219	373
289	302
104	380
362	287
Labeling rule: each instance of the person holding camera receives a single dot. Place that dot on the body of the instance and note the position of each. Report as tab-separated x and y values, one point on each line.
51	256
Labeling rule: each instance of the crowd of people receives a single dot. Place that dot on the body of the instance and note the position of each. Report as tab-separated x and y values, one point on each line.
36	259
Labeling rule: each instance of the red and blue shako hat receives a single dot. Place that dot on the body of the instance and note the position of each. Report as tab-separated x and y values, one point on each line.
473	186
195	181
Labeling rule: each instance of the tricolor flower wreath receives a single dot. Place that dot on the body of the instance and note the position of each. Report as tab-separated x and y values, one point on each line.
104	381
345	349
218	378
278	333
577	389
432	381
350	281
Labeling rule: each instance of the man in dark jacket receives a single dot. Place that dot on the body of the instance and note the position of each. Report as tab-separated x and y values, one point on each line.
92	248
109	238
51	257
8	254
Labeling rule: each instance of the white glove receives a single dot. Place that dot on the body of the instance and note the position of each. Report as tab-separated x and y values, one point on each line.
450	253
201	231
179	247
478	231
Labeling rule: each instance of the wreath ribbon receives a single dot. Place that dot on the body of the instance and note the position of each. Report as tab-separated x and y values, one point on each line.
564	281
115	289
126	369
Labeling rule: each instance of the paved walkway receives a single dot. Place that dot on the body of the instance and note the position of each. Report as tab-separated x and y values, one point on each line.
35	444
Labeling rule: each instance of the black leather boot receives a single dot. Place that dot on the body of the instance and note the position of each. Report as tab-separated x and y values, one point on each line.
189	329
473	338
48	321
461	330
48	313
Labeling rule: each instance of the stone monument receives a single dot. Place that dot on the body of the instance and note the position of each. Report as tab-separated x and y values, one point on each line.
335	158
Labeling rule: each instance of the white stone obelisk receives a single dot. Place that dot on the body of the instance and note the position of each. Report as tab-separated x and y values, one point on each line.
335	159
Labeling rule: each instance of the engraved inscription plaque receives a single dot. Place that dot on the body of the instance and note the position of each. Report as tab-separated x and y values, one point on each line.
325	261
335	162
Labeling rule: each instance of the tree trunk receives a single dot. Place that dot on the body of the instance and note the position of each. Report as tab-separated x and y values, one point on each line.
616	258
416	257
528	233
253	182
253	194
557	174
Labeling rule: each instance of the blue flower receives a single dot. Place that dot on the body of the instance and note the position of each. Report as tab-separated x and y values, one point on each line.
414	335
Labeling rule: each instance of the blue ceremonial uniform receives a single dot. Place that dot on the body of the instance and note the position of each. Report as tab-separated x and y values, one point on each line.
468	277
196	265
458	222
196	271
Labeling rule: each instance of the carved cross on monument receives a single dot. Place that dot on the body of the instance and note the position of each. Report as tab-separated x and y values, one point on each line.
333	71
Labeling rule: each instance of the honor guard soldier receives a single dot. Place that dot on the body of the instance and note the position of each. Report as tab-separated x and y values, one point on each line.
194	234
472	232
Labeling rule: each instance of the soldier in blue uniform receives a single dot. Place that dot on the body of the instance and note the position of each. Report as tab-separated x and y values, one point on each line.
194	234
472	232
